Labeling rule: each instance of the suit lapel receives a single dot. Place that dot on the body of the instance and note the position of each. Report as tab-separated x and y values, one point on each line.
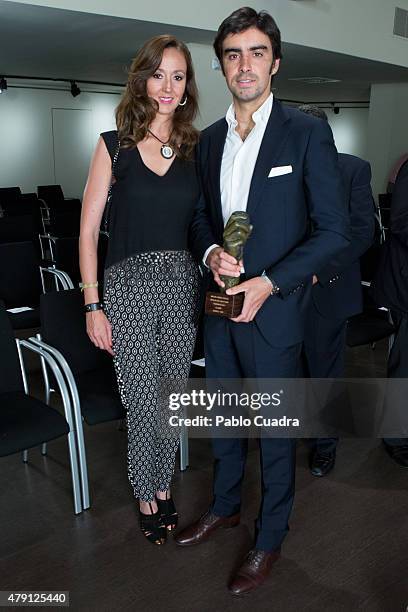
215	158
276	133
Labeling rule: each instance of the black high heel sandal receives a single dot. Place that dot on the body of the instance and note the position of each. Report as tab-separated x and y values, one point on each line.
168	512
152	526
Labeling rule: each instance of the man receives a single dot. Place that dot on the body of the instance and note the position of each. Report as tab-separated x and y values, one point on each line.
391	289
280	166
337	293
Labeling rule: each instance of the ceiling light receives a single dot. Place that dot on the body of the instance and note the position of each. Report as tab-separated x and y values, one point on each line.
75	91
314	80
3	85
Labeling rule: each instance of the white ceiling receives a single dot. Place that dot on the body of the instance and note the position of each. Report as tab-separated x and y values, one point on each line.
44	42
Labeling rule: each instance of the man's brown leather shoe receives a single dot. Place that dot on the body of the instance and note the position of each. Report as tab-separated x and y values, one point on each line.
203	528
253	572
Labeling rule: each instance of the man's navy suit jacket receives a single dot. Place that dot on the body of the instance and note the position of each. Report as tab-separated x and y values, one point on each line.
338	294
282	210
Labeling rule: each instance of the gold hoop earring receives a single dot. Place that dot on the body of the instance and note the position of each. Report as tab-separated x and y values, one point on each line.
183	103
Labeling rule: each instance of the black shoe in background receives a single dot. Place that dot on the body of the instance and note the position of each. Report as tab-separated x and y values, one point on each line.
398	453
322	463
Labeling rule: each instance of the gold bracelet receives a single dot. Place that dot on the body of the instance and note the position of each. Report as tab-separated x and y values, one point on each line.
88	285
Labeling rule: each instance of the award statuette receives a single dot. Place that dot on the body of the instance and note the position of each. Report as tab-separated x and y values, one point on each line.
236	233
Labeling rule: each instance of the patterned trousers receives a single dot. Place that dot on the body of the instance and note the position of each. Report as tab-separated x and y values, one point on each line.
150	300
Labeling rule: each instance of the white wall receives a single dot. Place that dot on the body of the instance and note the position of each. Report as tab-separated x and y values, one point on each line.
26	144
363	28
358	27
350	130
214	95
388	130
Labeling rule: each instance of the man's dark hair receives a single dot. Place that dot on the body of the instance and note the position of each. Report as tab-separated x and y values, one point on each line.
312	109
243	19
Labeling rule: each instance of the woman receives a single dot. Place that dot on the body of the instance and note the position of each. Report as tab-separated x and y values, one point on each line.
151	281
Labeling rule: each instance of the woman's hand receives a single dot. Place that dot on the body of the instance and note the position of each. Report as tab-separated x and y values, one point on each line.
99	330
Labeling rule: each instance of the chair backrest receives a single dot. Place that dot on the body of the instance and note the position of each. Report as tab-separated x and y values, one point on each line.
31	201
17	207
10	372
369	304
18	228
51	194
63	326
66	257
103	243
369	262
65	223
9	193
20	279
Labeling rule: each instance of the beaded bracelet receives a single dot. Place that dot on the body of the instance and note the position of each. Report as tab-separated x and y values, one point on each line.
88	285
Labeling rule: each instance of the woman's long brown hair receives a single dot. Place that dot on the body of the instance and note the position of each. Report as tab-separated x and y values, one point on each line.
136	110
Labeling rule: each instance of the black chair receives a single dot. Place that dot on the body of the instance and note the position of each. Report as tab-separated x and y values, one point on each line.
63	253
21	218
51	194
26	204
22	282
370	259
89	371
54	197
370	326
9	193
102	253
64	223
60	224
19	228
26	422
61	216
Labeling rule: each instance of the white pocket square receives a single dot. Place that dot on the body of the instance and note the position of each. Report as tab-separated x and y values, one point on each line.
279	170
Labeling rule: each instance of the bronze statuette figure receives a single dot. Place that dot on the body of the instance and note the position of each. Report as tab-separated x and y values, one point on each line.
236	233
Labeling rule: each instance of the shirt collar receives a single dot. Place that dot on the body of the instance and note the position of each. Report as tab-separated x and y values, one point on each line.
261	115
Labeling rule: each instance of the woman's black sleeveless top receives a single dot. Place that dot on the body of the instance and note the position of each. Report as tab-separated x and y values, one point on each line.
148	212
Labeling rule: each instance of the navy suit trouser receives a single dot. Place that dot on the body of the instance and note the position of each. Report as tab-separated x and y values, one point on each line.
239	350
324	350
398	361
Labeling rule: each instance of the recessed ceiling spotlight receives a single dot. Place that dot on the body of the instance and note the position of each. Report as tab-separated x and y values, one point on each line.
3	85
75	91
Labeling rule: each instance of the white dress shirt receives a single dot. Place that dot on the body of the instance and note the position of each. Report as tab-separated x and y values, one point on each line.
238	161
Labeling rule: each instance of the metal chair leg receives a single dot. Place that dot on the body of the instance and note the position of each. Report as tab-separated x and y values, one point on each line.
47	394
35	346
76	409
82	462
183	448
73	459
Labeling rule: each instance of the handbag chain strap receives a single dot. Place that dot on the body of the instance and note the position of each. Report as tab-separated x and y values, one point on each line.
109	198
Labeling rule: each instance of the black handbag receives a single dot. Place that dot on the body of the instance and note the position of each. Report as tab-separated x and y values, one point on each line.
106	213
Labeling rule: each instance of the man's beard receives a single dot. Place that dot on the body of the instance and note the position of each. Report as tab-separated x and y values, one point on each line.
247	95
